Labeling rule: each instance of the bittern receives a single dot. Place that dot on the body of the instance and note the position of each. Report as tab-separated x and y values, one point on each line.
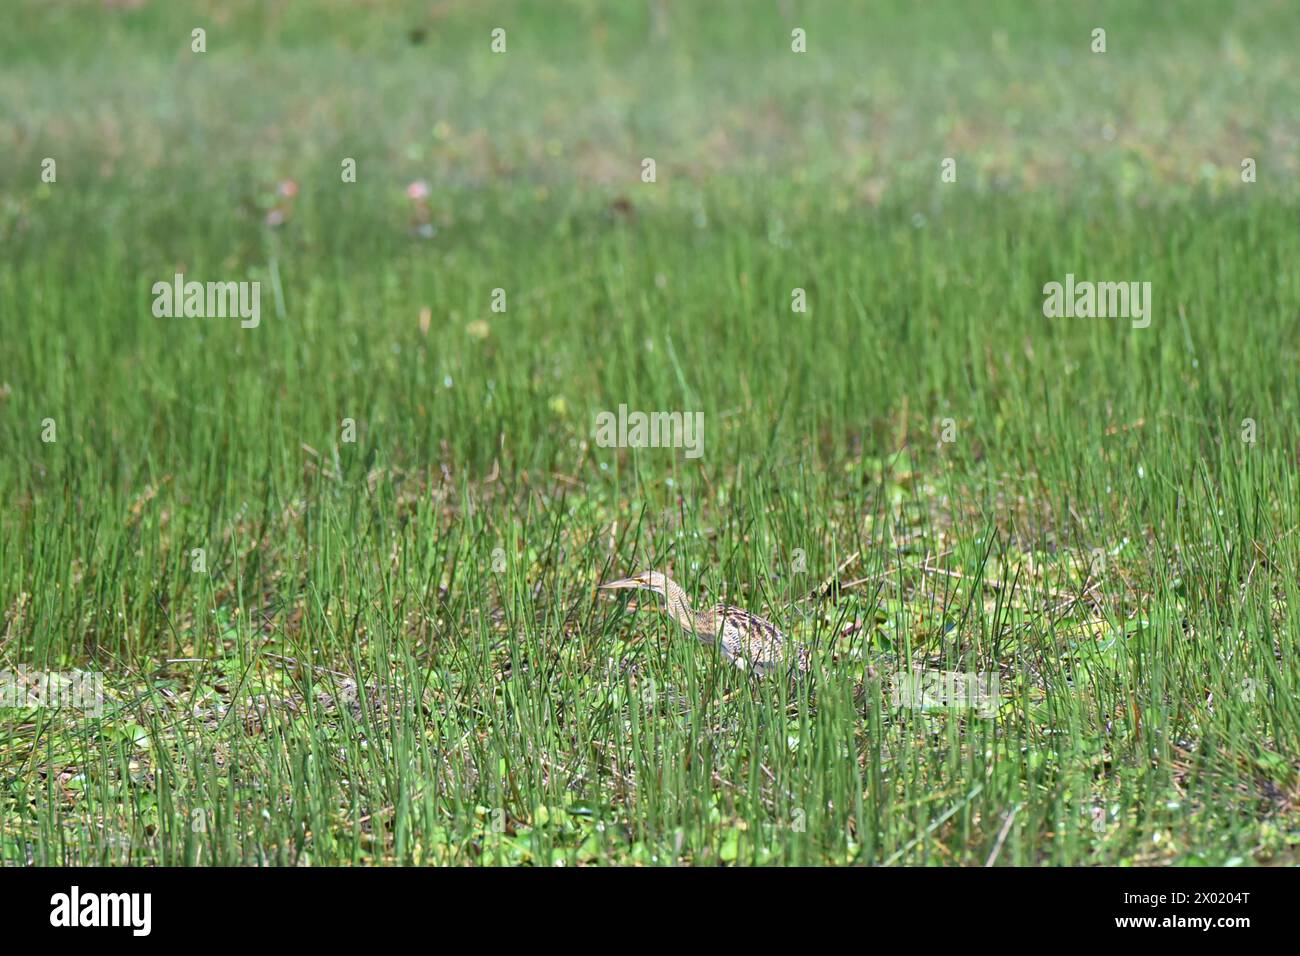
747	640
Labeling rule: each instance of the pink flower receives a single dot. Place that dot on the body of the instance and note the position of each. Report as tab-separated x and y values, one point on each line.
418	190
287	188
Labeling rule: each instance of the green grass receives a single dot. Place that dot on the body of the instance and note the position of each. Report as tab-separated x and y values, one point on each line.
396	653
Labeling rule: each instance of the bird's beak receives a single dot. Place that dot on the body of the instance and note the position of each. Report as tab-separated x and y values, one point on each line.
623	584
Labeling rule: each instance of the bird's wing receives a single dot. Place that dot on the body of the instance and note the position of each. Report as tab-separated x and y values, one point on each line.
750	636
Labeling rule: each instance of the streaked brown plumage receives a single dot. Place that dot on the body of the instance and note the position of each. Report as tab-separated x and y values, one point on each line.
747	640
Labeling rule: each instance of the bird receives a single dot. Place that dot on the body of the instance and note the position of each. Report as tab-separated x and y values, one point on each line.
750	642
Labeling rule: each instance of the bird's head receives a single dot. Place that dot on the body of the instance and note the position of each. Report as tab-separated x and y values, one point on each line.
645	581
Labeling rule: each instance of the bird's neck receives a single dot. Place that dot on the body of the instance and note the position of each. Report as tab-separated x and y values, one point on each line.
679	607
